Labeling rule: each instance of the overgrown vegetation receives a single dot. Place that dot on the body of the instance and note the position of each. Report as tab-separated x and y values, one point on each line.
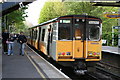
55	9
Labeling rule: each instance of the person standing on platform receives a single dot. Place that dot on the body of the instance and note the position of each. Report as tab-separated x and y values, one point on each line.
10	43
5	36
22	40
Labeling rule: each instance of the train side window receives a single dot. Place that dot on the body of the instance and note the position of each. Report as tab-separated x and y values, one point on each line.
39	34
36	34
32	34
43	34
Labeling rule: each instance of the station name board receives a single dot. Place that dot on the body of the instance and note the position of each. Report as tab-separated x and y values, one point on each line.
112	16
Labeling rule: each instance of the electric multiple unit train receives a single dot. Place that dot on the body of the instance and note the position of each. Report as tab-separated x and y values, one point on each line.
72	40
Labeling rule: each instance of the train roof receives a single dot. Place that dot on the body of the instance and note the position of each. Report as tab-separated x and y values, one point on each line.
55	19
79	16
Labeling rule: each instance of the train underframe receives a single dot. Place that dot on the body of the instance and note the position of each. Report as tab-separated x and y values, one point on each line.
80	66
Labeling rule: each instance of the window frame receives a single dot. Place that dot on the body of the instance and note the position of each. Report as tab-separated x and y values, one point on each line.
70	29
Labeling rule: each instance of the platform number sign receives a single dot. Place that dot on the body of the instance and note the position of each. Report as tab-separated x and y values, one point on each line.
116	27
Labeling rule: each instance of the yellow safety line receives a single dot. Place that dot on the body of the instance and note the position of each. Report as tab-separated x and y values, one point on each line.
40	73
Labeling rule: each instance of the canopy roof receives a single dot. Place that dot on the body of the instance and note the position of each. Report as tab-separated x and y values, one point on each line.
7	7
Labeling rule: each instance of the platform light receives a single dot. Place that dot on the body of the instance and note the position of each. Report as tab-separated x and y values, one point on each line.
98	53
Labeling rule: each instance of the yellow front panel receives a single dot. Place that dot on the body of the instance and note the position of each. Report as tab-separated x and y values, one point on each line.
64	47
94	46
78	49
74	47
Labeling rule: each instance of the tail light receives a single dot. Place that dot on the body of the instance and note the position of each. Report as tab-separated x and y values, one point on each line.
63	53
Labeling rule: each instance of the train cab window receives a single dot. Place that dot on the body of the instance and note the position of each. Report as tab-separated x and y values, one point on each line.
64	29
94	33
64	32
43	34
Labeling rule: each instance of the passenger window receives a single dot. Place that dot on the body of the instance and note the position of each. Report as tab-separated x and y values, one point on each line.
36	34
43	34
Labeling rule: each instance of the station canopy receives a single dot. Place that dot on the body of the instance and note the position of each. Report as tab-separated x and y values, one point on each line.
8	6
112	3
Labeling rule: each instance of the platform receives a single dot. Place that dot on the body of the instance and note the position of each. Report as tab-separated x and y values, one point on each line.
28	66
110	49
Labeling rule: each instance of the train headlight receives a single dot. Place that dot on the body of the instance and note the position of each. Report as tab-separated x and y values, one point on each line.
98	53
59	53
68	53
90	54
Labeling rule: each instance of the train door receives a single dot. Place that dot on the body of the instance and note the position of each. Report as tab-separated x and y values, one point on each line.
78	29
39	38
49	40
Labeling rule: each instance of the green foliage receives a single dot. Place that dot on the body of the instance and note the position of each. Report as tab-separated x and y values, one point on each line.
15	19
55	9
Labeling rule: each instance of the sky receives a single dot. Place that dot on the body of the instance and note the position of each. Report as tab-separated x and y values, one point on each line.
34	11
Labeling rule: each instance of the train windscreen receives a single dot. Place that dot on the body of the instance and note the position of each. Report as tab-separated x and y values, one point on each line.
64	30
94	32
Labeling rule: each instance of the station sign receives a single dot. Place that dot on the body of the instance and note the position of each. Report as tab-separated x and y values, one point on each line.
116	27
112	16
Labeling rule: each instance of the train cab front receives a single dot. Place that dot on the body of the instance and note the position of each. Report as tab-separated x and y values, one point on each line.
79	41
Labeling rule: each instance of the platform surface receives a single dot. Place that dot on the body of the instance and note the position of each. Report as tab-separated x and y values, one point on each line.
110	49
29	66
47	68
17	66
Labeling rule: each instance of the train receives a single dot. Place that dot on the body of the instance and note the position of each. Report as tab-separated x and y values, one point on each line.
71	40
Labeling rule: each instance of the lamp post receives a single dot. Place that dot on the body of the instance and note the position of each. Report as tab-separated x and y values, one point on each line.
119	30
112	36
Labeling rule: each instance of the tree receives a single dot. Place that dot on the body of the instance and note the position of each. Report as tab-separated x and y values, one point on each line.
15	20
55	9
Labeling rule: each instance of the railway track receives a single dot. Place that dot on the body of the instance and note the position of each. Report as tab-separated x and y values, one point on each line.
108	70
100	74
